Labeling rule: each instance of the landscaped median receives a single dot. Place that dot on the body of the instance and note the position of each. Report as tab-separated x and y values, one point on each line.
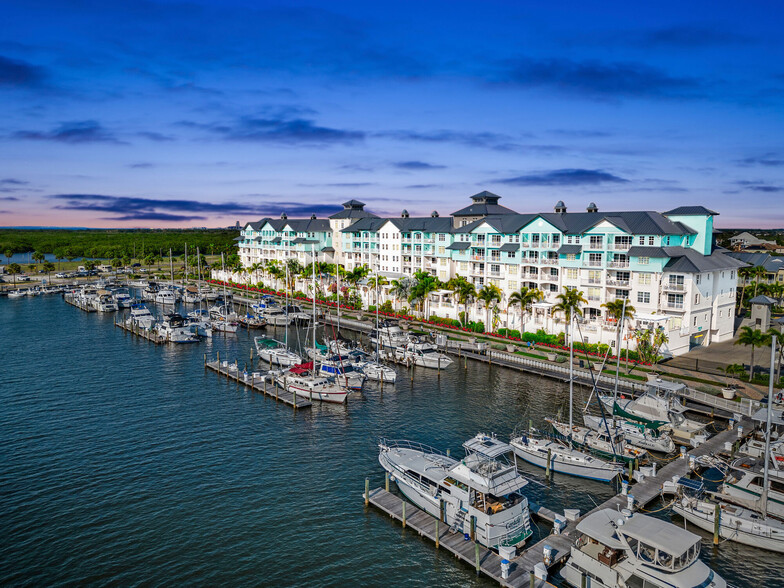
631	370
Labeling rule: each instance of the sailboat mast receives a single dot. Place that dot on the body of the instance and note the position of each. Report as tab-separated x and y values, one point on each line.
185	275
571	372
618	359
765	479
171	268
286	308
378	334
337	271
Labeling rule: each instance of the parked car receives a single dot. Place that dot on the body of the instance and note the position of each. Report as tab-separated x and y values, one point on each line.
61	275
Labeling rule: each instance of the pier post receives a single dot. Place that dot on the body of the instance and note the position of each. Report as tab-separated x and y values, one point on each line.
438	535
404	513
219	365
251	353
386	481
547	472
532	580
205	360
583	581
716	524
631	470
442	506
476	553
447	451
367	491
473	528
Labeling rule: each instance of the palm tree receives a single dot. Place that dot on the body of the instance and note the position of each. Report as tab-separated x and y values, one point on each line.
745	273
465	293
400	289
38	257
491	295
8	255
13	269
48	267
376	282
774	333
424	284
758	272
59	255
524	298
569	304
753	338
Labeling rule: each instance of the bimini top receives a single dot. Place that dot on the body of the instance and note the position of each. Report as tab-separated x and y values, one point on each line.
487	445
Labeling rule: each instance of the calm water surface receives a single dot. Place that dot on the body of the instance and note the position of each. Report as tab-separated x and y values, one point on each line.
127	463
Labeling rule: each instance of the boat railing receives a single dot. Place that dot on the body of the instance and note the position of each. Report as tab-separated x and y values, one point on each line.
406	444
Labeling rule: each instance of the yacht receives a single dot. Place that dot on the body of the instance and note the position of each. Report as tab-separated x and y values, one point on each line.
252	321
140	317
636	434
123	298
192	295
150	291
104	301
17	294
658	406
479	487
376	371
33	292
423	354
297	315
165	297
276	316
388	334
608	445
275	352
175	330
621	550
746	480
199	322
302	381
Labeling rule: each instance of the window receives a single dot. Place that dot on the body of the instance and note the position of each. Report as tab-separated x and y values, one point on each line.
696	299
441	250
571	257
643	260
556	239
641	241
698	278
512	284
595	258
596	242
512	270
650	240
695	321
675	323
644	297
644	279
510	254
441	237
571	273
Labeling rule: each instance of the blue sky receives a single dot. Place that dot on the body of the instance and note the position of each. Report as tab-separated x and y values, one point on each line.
196	113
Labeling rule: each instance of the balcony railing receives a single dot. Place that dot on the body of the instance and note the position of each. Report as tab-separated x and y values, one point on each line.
618	264
674	305
619	246
525	244
593	298
592	262
674	287
549	261
494	274
618	283
478	257
548	278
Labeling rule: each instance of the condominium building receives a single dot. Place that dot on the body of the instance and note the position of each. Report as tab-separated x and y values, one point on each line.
665	264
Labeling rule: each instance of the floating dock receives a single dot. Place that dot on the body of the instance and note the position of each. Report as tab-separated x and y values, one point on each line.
521	575
74	301
256	381
147	334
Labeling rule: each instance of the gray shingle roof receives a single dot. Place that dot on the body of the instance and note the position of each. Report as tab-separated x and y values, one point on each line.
459	245
426	224
485	203
510	247
761	299
691	211
570	249
688	260
647	252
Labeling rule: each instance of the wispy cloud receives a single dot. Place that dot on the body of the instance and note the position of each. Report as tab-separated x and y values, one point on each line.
9	198
599	79
423	186
85	131
758	186
496	141
154	136
292	131
767	160
141	165
564	177
129	208
417	165
690	37
20	74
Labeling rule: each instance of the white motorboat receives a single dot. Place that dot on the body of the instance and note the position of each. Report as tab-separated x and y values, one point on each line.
104	301
658	406
376	371
166	297
635	434
33	292
191	295
221	325
275	352
16	294
297	315
150	291
423	354
200	323
624	550
388	334
484	489
746	480
276	316
175	330
140	317
123	298
302	381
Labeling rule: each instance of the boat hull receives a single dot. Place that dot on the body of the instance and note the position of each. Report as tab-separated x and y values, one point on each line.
561	466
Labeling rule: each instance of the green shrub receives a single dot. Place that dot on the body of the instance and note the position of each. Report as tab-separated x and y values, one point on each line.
387	307
372	308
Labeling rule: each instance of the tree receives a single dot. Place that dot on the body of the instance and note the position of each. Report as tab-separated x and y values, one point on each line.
48	267
13	269
375	283
491	295
649	343
116	262
465	293
569	304
401	289
89	265
524	298
758	272
38	257
8	255
773	333
424	283
744	273
753	338
59	255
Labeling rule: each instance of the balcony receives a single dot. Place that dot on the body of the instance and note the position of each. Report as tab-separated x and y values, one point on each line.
477	257
593	263
619	283
548	278
494	274
619	246
549	261
670	287
529	276
593	298
618	263
591	281
525	244
674	305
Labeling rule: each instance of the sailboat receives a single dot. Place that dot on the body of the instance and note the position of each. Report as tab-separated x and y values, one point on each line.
375	370
564	458
223	320
303	380
744	520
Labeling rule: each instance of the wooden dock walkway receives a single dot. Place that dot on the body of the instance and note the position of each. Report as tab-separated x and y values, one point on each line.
147	334
73	301
256	381
472	553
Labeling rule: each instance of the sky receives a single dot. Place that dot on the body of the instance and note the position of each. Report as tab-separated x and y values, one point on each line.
156	113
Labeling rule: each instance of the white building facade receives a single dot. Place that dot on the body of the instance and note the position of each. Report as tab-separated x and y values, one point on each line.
665	264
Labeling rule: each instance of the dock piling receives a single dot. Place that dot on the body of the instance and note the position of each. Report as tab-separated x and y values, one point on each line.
404	513
478	562
548	472
386	481
473	528
367	491
716	524
438	534
532	581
